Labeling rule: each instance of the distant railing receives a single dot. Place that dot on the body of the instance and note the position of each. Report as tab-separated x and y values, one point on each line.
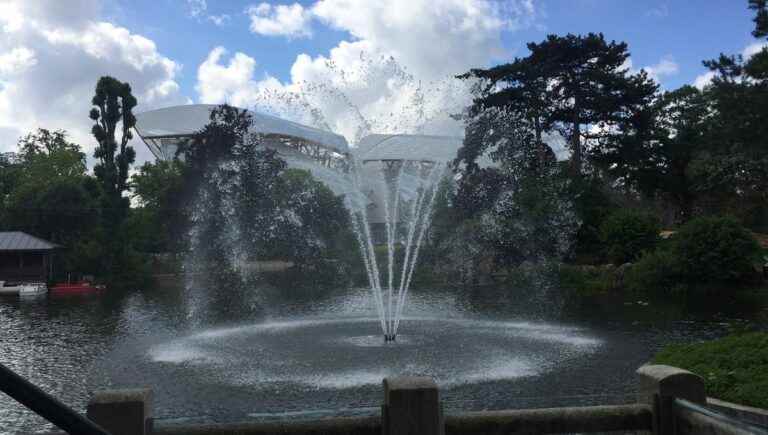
671	401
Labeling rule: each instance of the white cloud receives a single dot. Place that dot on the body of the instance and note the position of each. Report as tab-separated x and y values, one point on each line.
233	83
431	37
62	48
702	80
752	49
394	73
661	11
16	61
665	67
292	21
198	9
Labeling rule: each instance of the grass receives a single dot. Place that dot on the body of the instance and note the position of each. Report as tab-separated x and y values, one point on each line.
734	368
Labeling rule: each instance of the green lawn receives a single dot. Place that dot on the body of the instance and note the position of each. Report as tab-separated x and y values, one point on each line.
734	368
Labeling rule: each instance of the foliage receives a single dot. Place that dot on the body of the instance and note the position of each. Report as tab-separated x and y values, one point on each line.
50	195
322	215
566	84
45	154
628	233
113	108
534	221
246	202
657	272
160	217
705	253
114	105
592	204
715	249
659	164
734	368
587	281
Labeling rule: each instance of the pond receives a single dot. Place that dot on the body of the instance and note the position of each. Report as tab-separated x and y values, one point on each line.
216	355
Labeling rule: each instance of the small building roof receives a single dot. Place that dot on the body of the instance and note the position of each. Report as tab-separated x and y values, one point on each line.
408	147
20	241
188	119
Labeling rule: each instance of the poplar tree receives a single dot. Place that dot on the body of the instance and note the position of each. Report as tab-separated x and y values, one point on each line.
113	108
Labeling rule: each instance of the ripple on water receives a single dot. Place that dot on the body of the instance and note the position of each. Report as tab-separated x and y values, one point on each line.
332	354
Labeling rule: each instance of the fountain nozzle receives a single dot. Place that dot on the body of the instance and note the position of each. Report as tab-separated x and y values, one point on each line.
389	337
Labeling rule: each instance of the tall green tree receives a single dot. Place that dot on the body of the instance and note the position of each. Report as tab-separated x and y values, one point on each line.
520	89
113	115
592	93
731	171
576	86
657	163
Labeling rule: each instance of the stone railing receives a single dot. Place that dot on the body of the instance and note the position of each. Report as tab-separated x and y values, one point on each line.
671	401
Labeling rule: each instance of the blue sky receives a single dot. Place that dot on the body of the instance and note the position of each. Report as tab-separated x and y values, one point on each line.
244	52
685	31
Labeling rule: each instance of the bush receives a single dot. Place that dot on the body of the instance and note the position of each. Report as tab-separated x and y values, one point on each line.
734	368
627	234
587	281
656	271
715	249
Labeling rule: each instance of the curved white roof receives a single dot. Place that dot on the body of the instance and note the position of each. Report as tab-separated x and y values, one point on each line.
408	147
188	119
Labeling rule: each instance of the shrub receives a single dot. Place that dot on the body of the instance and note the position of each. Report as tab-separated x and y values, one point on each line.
734	368
627	234
656	271
587	281
715	249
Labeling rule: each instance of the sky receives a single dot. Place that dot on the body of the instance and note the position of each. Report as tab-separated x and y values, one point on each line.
333	57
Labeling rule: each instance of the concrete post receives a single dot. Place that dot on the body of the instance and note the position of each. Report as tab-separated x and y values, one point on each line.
122	412
660	385
411	407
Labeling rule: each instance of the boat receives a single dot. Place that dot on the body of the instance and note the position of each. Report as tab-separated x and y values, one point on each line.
78	287
23	289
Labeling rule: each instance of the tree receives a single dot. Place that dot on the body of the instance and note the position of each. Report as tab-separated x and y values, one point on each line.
322	229
731	171
160	217
114	105
47	154
761	17
575	86
519	87
9	178
657	163
51	195
592	94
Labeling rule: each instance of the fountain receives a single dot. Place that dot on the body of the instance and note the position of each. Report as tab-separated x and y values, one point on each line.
418	182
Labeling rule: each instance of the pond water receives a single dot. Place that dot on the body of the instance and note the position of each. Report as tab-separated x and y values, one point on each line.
215	355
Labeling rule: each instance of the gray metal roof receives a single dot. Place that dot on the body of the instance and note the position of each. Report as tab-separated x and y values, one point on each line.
408	147
190	118
19	241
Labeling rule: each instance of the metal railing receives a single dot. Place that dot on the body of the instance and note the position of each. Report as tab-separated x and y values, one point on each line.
45	405
692	418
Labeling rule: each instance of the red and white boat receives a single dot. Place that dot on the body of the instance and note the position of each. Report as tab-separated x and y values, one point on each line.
78	287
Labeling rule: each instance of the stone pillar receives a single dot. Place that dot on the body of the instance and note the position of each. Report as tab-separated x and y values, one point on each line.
411	407
660	385
122	412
